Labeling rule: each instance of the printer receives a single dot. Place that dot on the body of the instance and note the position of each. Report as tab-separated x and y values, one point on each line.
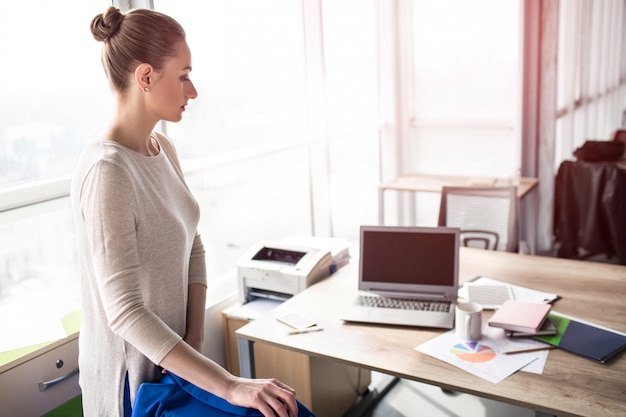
278	270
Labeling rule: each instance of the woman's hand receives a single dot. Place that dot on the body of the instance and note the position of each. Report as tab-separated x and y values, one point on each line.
270	396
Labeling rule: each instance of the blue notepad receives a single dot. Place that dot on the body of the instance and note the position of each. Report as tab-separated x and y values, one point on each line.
584	339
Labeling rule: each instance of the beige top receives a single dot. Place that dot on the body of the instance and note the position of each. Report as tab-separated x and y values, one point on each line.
139	250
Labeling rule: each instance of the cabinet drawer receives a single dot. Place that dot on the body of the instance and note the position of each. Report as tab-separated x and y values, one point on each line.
31	388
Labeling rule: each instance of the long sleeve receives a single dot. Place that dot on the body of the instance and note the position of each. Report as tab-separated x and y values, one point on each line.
197	263
112	216
139	251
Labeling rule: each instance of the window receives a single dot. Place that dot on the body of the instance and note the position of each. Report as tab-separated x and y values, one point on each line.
351	72
55	97
283	138
243	141
53	89
466	60
256	142
465	101
591	79
249	70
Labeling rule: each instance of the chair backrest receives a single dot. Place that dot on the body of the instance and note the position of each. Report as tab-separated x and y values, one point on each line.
487	216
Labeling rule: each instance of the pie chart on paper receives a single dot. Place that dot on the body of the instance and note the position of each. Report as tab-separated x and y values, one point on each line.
473	352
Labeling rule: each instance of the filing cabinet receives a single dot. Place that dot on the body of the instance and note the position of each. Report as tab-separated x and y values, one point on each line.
41	381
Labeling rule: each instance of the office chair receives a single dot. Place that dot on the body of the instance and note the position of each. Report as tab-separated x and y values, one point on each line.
487	216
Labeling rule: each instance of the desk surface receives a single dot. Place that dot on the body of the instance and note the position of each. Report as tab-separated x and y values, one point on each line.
569	386
434	183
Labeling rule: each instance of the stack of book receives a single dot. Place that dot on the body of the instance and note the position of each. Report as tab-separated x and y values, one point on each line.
522	318
539	321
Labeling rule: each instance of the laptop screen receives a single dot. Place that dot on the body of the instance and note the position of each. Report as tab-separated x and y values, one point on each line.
396	258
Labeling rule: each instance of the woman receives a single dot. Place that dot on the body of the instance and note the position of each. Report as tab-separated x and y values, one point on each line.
142	261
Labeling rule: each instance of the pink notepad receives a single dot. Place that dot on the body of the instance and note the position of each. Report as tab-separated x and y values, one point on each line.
520	316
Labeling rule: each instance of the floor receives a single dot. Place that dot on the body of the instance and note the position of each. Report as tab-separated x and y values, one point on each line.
411	399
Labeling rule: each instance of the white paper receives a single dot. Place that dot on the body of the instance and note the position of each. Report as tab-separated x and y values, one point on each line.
519	293
536	366
508	344
485	358
255	309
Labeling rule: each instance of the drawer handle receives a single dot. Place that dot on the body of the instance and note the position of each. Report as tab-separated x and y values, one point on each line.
47	384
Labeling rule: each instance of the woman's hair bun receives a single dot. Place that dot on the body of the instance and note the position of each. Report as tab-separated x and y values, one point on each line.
105	25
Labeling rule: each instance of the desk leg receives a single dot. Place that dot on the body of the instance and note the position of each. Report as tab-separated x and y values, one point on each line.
368	401
412	208
381	206
246	357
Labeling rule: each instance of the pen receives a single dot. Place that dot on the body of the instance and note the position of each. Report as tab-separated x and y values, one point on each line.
307	330
530	350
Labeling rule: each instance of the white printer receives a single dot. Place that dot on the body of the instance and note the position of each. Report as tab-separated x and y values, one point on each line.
278	270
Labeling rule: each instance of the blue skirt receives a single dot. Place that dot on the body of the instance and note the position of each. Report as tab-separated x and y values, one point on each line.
174	397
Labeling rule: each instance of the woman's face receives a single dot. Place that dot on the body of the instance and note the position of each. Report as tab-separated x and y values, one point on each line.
171	88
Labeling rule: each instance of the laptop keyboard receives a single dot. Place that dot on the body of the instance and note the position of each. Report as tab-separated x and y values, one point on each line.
403	303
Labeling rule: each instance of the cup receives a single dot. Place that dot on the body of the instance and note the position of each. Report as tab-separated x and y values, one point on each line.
469	321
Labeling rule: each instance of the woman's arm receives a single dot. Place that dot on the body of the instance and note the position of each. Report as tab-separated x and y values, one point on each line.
196	305
187	361
271	397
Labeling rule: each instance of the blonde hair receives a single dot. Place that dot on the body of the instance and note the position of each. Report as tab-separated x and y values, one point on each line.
132	38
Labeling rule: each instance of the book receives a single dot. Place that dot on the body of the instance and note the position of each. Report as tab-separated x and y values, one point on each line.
583	338
547	329
520	316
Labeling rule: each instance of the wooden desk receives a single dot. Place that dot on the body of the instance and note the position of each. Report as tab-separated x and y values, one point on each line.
569	386
433	183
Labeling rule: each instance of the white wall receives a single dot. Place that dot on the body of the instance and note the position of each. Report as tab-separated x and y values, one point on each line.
214	343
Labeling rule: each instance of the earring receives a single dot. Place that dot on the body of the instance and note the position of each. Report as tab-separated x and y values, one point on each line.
146	89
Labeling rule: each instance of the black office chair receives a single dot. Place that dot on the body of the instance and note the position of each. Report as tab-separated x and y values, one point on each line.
487	216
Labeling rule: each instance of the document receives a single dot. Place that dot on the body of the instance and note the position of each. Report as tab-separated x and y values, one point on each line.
255	309
519	293
486	358
508	346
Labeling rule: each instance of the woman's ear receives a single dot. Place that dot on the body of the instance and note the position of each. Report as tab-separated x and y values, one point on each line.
143	74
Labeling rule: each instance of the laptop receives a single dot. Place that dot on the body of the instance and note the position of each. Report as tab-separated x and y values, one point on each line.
400	266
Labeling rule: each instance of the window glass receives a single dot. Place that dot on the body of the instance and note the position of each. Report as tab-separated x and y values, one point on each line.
53	92
467	88
249	71
248	68
38	276
466	60
351	77
354	179
590	101
54	97
265	198
350	64
466	92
